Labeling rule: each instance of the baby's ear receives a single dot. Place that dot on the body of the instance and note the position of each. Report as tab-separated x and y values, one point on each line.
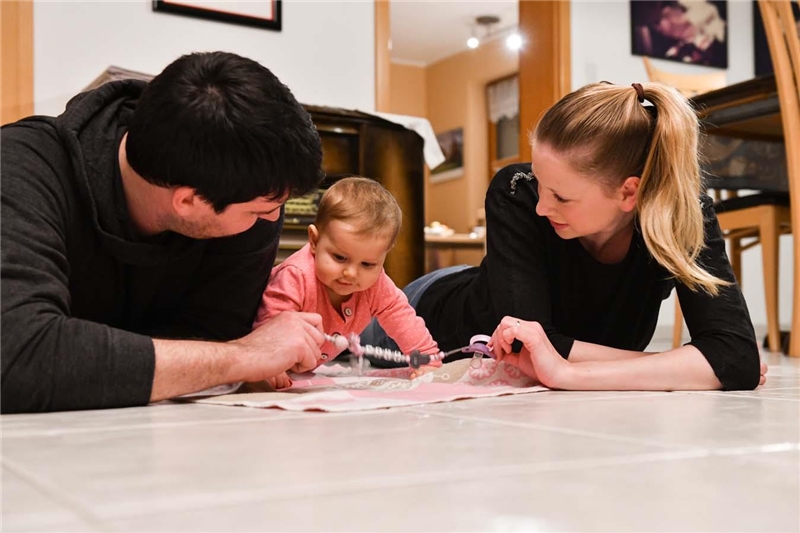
313	237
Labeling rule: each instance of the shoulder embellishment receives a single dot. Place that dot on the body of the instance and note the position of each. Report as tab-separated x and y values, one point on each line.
518	176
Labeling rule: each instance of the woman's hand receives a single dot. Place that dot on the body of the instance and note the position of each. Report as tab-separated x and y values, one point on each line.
538	359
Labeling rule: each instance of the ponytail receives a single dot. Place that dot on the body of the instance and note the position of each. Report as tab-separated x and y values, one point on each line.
606	131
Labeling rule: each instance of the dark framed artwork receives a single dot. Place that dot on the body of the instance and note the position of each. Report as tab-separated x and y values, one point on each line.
689	31
452	144
763	61
260	14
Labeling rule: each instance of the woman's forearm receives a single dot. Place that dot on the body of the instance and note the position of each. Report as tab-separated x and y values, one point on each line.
584	351
683	368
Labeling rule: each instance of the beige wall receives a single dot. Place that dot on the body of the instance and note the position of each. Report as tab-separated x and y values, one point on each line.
457	98
450	94
409	92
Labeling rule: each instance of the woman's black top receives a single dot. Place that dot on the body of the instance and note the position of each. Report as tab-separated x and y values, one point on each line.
529	272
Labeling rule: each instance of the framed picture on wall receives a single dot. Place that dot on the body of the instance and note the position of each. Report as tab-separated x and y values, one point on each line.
452	143
763	61
260	14
689	31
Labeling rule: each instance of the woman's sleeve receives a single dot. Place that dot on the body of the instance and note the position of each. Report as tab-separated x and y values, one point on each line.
720	326
516	255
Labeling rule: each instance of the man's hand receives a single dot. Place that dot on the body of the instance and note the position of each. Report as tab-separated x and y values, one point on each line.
290	341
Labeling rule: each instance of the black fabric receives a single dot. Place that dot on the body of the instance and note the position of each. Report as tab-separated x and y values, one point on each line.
81	294
531	273
752	200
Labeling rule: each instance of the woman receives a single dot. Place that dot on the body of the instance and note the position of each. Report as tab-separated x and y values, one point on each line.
585	243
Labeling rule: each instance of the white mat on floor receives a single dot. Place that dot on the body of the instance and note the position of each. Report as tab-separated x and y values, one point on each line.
335	389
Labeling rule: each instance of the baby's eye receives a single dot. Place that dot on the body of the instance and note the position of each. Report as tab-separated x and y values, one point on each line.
339	258
369	265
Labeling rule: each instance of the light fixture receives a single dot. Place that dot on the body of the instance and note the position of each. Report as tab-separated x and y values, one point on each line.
514	41
483	30
485	22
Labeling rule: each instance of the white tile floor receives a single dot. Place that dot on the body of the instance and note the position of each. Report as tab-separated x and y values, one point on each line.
551	461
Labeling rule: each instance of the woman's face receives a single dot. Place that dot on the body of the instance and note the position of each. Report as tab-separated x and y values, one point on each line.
575	204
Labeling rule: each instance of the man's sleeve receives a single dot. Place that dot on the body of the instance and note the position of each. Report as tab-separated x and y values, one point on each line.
50	360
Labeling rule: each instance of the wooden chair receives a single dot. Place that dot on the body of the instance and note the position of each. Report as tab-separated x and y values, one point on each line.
756	219
689	85
784	48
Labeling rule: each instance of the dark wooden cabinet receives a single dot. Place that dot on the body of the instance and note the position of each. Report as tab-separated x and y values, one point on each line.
356	143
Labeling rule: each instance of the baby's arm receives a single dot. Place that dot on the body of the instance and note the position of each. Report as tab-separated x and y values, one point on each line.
401	322
284	292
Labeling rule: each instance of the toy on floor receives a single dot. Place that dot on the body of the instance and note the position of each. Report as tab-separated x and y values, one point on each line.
477	347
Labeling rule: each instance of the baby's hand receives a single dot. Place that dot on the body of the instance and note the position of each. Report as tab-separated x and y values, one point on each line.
281	381
424	369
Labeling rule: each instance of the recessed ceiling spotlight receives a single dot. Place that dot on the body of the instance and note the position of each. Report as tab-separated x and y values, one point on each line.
514	41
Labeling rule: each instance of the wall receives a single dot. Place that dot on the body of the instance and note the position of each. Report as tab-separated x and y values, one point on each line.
601	51
409	90
457	98
325	52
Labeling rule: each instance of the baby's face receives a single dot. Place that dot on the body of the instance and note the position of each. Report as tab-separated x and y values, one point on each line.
346	262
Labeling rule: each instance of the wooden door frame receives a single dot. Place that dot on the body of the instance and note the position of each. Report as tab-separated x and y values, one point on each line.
16	50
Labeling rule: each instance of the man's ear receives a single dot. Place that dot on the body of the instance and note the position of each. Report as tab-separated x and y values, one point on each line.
185	201
313	237
629	192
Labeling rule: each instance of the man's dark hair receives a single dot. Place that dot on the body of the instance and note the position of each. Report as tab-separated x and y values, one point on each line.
227	127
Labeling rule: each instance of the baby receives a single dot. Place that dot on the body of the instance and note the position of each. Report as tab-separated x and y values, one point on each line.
339	273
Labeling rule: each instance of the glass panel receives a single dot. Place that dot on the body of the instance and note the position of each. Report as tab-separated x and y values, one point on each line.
507	137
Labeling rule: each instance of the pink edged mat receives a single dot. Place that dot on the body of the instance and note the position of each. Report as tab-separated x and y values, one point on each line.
336	389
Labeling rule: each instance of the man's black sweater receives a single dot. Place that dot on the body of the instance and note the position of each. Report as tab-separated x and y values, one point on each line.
529	272
82	295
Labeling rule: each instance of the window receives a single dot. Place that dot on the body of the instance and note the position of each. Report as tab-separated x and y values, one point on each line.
502	97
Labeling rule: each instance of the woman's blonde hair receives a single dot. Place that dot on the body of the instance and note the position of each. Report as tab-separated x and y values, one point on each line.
363	202
606	131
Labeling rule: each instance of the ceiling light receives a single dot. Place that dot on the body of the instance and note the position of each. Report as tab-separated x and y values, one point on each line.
473	42
514	41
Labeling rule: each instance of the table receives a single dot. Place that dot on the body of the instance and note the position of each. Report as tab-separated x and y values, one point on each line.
750	110
438	243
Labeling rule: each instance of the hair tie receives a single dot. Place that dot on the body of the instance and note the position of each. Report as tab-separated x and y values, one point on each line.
639	91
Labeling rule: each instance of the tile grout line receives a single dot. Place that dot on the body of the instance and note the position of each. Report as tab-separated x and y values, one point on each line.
361	485
79	431
55	493
726	395
566	431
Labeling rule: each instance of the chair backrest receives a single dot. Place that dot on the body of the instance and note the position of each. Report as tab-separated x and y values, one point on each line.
688	84
784	48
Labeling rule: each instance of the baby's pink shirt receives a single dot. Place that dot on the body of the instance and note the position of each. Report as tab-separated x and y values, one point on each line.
294	286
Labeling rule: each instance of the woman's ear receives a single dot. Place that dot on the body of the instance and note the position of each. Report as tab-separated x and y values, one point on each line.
629	192
313	237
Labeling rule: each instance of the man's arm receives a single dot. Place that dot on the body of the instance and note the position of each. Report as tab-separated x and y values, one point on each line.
288	341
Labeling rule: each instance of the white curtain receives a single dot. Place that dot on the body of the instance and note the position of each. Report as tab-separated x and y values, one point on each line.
503	99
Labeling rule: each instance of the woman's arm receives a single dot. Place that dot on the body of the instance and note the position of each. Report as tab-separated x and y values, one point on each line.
602	368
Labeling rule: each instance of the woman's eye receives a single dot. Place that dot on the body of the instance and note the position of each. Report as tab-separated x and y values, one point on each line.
560	199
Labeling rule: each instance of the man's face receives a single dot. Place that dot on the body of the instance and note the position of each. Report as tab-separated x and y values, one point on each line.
205	223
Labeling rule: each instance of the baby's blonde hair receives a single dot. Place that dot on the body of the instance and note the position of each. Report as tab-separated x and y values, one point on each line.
363	202
604	131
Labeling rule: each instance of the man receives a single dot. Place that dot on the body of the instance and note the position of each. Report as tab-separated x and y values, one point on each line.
139	229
